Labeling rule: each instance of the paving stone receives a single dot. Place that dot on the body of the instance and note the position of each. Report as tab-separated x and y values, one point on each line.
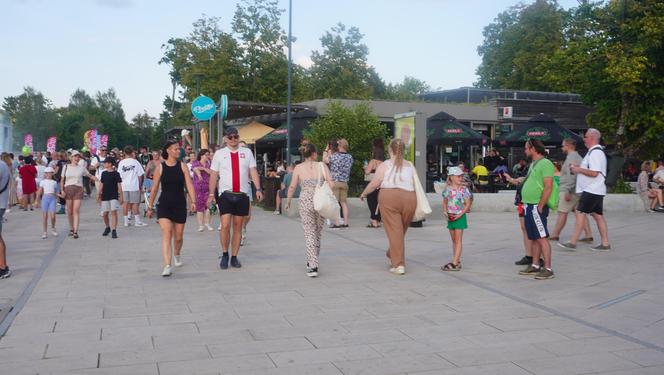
304	357
592	345
316	369
644	357
66	363
579	364
393	365
495	369
146	369
216	365
181	353
262	346
347	339
484	356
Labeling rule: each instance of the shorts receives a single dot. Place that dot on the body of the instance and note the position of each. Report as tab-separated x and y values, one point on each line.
460	223
565	206
2	218
535	222
340	190
48	202
283	193
74	192
112	205
132	197
236	204
591	203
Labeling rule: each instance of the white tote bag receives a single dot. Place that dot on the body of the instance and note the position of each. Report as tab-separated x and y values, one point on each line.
325	203
423	207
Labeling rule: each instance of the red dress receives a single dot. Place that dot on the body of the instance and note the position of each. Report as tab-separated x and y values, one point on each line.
28	174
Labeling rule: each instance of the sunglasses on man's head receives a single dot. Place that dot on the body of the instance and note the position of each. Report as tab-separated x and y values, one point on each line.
233	136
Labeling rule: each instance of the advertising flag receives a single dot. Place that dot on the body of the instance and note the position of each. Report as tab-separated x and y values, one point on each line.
51	144
404	128
27	140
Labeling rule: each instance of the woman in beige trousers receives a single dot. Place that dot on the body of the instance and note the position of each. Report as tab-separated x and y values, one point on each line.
397	202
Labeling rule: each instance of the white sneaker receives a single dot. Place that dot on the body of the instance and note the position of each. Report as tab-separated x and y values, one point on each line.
177	262
126	224
219	228
201	228
54	232
168	270
209	228
398	270
276	212
44	236
141	224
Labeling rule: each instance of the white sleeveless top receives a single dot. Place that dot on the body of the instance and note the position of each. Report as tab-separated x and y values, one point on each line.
401	180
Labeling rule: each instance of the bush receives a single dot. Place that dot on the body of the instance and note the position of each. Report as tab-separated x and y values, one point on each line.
621	187
358	125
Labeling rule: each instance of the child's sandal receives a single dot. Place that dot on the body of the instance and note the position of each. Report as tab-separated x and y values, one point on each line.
451	267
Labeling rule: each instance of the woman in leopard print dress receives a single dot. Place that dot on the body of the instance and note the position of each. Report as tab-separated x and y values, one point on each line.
308	175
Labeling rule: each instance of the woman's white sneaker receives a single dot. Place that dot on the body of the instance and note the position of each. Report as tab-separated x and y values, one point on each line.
168	270
44	236
177	262
209	228
201	228
54	232
400	270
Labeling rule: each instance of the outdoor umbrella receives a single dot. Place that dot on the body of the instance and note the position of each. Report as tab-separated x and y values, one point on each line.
541	127
444	129
300	121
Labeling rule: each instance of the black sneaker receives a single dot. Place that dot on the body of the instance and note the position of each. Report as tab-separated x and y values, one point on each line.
106	231
235	263
114	234
223	264
526	260
5	273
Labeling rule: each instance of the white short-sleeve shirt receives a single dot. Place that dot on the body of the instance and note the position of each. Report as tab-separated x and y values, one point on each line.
595	160
49	186
130	170
221	163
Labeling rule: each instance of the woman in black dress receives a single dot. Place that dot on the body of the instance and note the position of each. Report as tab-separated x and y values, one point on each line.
173	176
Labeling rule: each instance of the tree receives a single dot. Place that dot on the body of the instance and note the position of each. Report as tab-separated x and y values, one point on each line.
519	45
341	70
358	125
31	113
408	90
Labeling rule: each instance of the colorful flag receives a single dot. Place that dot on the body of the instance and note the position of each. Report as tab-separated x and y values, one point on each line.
92	144
27	140
51	144
103	140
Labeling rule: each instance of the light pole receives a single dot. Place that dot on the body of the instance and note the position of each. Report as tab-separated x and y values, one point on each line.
194	139
290	78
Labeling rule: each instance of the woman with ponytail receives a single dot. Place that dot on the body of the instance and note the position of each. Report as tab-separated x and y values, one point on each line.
397	201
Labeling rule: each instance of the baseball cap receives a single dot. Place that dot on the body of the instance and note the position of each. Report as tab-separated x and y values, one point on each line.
454	171
230	131
49	170
74	153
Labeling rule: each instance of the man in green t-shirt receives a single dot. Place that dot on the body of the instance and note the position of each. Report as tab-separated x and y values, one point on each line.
535	193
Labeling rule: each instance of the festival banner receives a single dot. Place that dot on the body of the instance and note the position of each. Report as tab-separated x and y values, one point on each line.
51	144
103	140
86	140
27	140
98	141
404	128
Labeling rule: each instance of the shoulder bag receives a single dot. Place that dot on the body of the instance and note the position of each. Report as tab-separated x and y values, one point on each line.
423	207
325	203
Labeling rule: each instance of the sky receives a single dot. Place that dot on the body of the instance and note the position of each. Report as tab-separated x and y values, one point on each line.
58	46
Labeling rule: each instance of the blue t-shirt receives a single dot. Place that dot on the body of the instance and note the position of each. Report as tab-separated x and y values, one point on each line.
340	165
5	180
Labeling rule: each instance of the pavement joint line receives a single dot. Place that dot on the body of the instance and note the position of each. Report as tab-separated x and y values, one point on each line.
524	301
16	308
617	300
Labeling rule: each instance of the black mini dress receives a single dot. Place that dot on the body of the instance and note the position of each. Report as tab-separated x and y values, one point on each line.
172	203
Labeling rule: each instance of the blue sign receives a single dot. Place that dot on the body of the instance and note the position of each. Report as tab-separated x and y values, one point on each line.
223	106
203	108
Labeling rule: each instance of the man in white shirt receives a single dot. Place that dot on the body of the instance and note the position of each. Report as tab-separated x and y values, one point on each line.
131	173
233	166
591	174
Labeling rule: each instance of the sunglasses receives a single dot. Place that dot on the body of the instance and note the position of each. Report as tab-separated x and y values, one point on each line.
233	136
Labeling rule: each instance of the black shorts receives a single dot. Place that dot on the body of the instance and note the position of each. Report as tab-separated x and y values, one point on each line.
590	203
236	204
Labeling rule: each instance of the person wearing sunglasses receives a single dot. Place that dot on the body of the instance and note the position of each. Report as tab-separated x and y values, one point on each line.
232	167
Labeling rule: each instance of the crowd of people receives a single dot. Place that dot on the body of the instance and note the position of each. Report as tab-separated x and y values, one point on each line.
175	183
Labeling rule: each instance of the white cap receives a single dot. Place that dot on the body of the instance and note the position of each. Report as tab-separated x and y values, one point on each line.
49	170
75	152
454	171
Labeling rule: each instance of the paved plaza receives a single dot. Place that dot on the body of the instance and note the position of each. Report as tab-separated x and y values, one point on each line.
100	307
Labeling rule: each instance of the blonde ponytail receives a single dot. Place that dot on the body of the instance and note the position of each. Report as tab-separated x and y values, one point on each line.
397	147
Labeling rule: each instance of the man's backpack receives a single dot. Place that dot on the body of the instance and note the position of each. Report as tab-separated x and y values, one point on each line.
614	166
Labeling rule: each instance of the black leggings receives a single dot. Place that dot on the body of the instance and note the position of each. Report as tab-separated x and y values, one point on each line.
372	201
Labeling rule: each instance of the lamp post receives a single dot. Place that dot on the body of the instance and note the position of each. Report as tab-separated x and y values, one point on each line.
290	78
194	139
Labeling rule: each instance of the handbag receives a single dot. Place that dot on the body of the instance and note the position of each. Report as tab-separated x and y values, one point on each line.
325	203
423	208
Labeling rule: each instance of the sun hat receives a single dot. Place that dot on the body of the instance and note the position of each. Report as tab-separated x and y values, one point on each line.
49	170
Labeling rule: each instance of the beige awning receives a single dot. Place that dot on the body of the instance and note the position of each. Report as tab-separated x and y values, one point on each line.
253	131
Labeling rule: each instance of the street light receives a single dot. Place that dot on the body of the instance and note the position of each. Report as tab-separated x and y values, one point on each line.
290	78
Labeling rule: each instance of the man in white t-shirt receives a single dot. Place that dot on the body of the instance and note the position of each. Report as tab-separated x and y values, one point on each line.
591	174
131	172
233	166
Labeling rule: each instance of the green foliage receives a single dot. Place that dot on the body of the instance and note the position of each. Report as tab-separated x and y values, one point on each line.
622	187
32	113
358	125
609	52
518	46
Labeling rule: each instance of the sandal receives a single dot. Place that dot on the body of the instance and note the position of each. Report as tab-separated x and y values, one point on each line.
451	267
71	232
372	226
75	234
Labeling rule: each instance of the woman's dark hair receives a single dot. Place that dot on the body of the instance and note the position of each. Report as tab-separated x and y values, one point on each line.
202	152
308	150
537	145
333	144
28	160
164	152
378	149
